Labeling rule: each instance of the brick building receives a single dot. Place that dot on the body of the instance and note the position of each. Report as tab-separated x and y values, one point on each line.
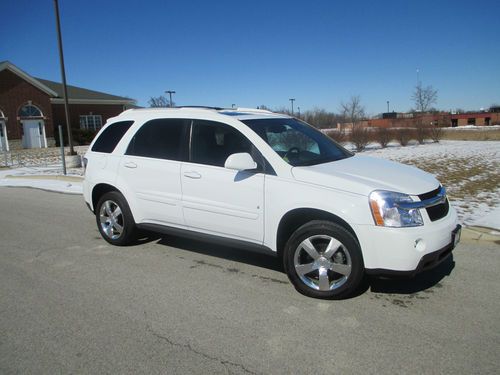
445	119
32	108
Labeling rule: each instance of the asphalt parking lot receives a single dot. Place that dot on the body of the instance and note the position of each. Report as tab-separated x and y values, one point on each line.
71	303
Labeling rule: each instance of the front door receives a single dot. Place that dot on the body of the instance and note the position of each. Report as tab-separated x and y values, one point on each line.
217	200
33	133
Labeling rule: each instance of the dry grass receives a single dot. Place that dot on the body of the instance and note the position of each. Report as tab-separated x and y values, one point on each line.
472	182
471	134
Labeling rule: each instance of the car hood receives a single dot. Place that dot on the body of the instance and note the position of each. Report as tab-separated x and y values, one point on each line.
363	174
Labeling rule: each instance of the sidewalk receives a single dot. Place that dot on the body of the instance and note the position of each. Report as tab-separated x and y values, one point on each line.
45	178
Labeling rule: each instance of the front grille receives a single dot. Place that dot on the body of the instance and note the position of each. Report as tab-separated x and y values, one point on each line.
435	212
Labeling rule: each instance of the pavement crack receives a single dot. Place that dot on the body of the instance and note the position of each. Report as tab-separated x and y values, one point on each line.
227	364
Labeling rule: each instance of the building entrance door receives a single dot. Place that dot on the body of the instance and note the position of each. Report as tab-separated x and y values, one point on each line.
33	134
4	144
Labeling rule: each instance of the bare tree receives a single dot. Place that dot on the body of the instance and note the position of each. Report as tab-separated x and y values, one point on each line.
421	131
383	136
354	112
424	97
403	135
159	101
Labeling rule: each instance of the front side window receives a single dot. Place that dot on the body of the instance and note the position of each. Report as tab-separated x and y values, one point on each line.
91	122
213	142
110	136
159	139
296	142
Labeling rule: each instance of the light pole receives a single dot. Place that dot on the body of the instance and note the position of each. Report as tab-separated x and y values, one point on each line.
63	76
169	92
387	106
298	110
291	101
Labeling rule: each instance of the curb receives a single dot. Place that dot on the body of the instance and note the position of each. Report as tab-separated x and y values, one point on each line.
47	177
475	233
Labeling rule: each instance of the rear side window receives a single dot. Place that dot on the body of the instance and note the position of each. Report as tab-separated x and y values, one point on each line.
110	136
159	139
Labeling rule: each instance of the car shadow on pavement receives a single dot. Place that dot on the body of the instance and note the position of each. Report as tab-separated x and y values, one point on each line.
218	251
419	283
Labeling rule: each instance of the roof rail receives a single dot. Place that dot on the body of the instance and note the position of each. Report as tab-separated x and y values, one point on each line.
200	107
256	110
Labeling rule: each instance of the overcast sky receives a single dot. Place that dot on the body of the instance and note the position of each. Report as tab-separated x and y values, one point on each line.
250	53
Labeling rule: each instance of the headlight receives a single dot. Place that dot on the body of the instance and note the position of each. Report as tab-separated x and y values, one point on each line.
387	212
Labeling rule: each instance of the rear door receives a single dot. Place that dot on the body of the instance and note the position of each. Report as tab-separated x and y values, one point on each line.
150	169
217	200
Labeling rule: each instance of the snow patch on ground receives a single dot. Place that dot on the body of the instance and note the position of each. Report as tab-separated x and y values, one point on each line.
468	169
61	186
51	185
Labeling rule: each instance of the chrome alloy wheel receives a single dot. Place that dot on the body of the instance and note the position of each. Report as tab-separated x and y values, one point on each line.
111	219
322	263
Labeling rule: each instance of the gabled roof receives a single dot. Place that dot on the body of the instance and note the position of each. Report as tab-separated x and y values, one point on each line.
75	94
7	65
79	93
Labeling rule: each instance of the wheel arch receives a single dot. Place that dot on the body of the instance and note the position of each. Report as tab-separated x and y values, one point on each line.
297	217
99	190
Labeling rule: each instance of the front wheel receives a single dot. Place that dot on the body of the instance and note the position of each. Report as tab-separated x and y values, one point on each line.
114	219
323	260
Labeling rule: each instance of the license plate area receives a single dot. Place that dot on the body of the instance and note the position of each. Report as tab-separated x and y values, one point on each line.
455	235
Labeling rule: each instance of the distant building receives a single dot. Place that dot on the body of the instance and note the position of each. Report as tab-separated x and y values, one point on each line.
32	108
445	119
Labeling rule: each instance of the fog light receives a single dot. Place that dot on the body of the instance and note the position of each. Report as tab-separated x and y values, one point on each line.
420	245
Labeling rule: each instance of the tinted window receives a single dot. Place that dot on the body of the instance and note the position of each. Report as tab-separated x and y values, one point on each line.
213	142
160	139
110	136
297	142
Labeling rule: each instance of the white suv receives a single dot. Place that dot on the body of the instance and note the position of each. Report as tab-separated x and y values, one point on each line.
256	179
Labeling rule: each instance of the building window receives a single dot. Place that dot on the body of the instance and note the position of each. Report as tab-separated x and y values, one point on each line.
90	122
30	110
471	121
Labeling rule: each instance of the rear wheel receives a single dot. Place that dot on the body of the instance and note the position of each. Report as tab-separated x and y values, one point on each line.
114	219
323	260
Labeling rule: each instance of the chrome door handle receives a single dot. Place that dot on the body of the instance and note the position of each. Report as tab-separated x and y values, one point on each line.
130	164
192	174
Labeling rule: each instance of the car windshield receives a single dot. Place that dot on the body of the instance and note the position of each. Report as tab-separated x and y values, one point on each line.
297	142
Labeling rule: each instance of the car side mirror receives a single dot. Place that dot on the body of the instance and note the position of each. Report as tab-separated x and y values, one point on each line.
241	161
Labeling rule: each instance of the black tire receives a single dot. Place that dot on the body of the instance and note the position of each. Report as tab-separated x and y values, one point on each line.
126	220
320	233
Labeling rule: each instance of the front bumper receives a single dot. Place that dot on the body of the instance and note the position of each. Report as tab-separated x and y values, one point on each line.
402	250
427	262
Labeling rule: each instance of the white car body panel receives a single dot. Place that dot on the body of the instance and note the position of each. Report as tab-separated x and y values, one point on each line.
222	201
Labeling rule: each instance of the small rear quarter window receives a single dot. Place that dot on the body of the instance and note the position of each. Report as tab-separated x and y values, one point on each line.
110	136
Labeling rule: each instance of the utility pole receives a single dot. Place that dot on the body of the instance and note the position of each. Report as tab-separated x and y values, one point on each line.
169	92
63	75
292	100
298	110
